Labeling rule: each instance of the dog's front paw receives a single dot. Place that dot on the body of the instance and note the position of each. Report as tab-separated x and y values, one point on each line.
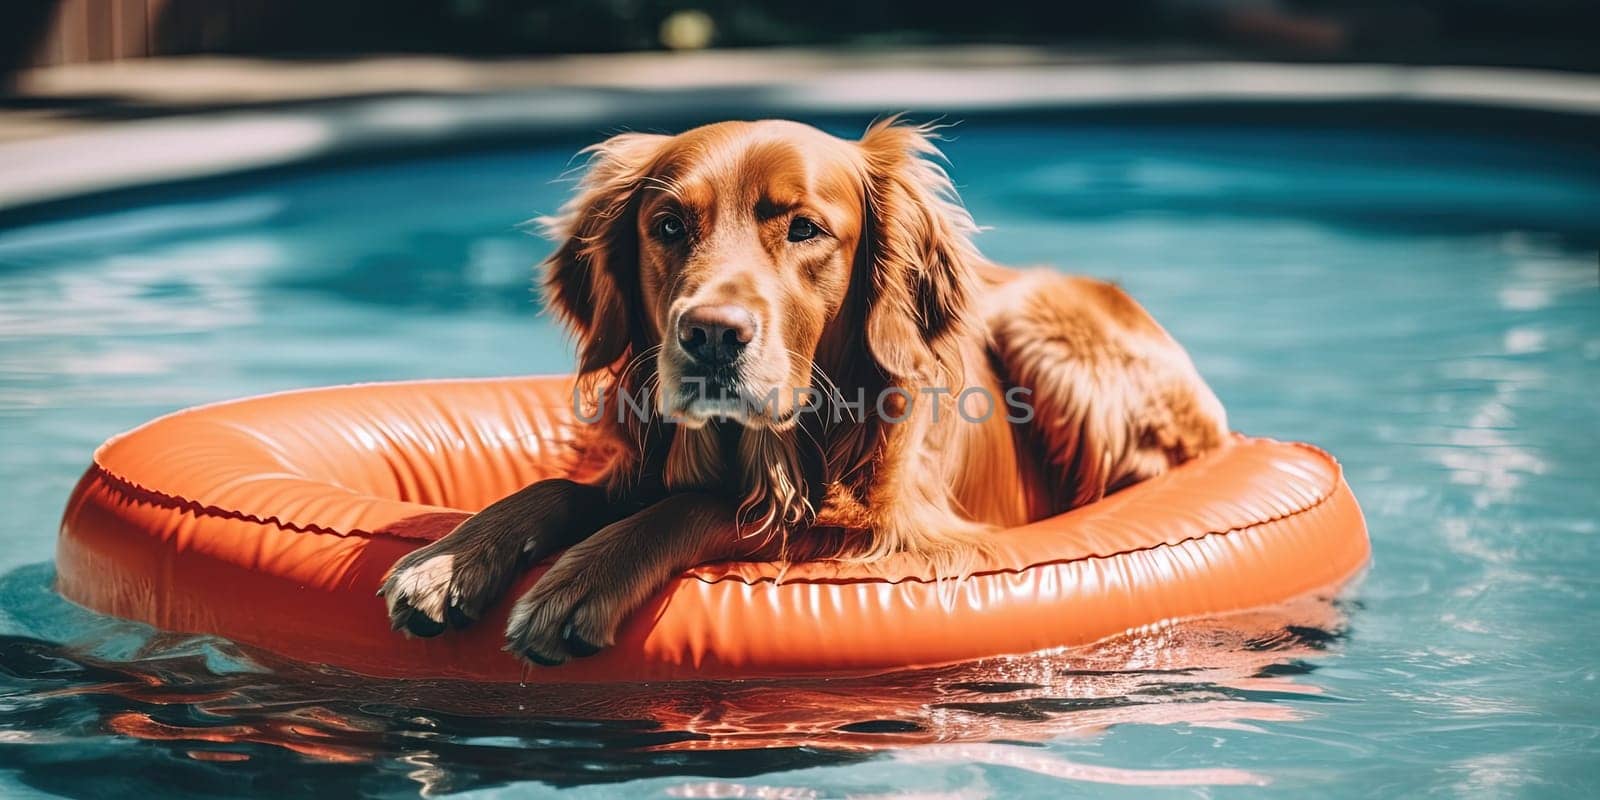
573	611
441	585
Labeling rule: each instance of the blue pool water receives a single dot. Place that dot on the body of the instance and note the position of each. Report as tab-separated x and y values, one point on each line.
1424	304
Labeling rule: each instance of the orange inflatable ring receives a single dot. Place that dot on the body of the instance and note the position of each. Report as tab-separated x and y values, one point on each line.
270	521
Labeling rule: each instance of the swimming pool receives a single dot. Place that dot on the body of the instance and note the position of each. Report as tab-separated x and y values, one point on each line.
1421	299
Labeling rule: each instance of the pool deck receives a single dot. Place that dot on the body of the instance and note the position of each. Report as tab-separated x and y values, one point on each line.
86	128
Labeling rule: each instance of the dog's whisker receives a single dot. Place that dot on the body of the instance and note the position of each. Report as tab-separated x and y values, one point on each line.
831	391
835	394
634	362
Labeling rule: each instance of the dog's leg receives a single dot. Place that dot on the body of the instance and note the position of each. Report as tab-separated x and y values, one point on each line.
1116	400
453	580
576	607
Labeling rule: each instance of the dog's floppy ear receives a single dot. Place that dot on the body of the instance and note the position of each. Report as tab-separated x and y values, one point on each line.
921	258
588	280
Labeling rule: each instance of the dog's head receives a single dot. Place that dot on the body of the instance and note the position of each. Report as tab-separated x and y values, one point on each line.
744	258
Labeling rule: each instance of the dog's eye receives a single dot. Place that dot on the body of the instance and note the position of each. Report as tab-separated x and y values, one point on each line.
670	228
801	229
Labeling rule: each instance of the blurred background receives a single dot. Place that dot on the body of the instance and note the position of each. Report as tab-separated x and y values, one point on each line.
1542	33
70	64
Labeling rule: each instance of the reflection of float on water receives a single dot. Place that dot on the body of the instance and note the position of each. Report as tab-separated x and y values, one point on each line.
1237	672
1217	673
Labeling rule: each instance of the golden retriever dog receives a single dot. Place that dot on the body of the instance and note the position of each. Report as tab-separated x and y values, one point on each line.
787	346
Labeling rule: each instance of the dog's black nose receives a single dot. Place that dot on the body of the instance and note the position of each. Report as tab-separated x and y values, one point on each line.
715	335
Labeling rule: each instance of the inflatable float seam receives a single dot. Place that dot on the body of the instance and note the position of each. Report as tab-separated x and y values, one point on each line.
1240	530
139	493
136	491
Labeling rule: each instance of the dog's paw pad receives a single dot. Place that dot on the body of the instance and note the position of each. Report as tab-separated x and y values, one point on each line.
419	625
576	643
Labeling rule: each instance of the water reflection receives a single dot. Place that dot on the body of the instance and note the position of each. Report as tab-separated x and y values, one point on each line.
181	708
